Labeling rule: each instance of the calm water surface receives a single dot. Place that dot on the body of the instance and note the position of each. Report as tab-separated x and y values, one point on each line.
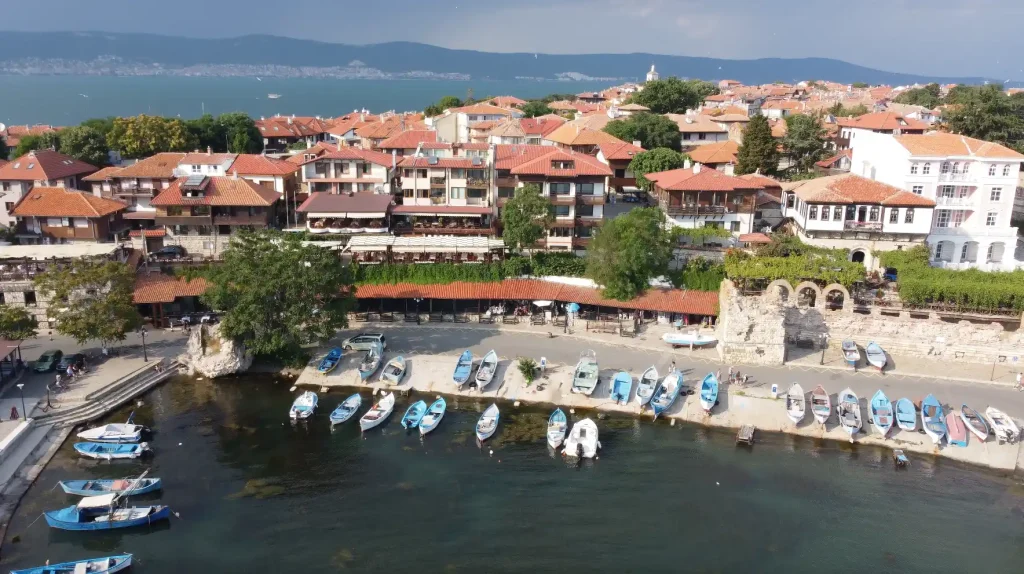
257	493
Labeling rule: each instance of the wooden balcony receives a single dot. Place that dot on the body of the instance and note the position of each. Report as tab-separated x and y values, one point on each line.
135	191
241	219
851	225
622	182
184	220
434	229
562	199
581	242
591	199
506	182
695	209
476	182
437	182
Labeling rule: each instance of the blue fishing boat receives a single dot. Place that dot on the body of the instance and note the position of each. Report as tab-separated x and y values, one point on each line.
557	426
906	415
932	419
876	356
414	414
330	360
371	361
488	423
433	417
103	513
881	413
851	353
709	392
105	565
346	409
107	486
111	451
622	385
666	393
463	368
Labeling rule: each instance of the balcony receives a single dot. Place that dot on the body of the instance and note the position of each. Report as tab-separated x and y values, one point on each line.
562	199
506	182
135	191
853	225
81	233
954	201
589	199
240	219
184	219
581	242
442	200
502	201
954	176
695	209
444	226
622	182
476	201
437	182
476	182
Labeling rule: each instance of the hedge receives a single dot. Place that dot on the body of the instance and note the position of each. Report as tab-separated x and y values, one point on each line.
922	285
560	264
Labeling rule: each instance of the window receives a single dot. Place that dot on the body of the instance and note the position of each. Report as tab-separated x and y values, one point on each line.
894	215
942	219
926	169
737	200
812	213
995	194
81	222
910	215
992	169
990	221
54	222
945	167
734	226
702	136
938	250
790	200
9	206
918	189
559	188
946	191
196	168
851	212
561	211
963	252
837	213
585	211
458	193
506	192
1006	170
421	173
585	189
913	169
562	164
5	186
824	212
458	174
620	173
407	193
30	298
320	168
874	214
686	137
956	167
365	168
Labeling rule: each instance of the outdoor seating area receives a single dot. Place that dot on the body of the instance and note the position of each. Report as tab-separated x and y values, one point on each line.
418	224
426	249
346	225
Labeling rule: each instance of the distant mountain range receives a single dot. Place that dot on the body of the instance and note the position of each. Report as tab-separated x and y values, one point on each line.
140	54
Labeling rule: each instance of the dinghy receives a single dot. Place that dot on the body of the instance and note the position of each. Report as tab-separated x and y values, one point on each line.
393	371
932	419
709	392
116	432
645	387
330	361
821	404
956	430
488	365
848	410
876	356
851	353
881	413
906	415
378	412
974	422
433	417
346	410
688	339
557	425
666	393
463	367
1004	427
413	414
796	403
371	360
584	378
622	385
110	485
102	513
107	451
304	405
582	440
488	423
106	565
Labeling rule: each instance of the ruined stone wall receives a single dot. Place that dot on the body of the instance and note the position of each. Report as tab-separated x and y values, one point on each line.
750	330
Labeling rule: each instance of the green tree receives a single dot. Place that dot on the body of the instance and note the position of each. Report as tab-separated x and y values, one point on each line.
859	85
839	111
759	150
446	102
628	251
48	140
654	161
804	141
986	112
16	323
85	144
208	132
927	96
279	295
652	130
241	132
525	218
558	98
673	96
91	300
142	136
102	125
534	109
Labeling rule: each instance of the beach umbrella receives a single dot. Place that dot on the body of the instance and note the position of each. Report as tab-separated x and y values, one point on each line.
572	308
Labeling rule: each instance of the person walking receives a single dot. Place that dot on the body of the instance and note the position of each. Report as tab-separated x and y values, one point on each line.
1019	385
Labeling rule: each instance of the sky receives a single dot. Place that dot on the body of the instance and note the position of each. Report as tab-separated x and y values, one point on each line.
932	37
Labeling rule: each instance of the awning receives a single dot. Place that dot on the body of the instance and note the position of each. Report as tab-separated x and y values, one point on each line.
370	243
572	308
100	501
434	210
542	303
139	215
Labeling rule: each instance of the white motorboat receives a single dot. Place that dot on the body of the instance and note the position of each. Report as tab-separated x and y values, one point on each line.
304	406
1004	427
488	365
488	423
378	413
582	441
796	403
821	404
114	432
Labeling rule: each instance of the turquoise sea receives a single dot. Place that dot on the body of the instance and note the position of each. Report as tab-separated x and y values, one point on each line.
67	100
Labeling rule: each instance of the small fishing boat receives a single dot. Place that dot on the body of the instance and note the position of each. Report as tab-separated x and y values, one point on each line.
115	432
378	412
881	413
393	371
956	430
622	385
330	361
371	360
666	393
582	440
105	565
689	339
848	410
584	378
1006	430
413	414
108	451
463	367
900	458
488	423
876	356
975	423
709	392
488	365
851	353
102	513
932	419
304	405
273	96
110	485
796	403
645	387
433	417
346	410
557	425
821	404
906	415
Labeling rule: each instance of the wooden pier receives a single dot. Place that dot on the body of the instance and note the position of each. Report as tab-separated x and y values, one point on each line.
746	435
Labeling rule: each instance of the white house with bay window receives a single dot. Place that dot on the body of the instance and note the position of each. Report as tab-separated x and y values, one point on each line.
971	181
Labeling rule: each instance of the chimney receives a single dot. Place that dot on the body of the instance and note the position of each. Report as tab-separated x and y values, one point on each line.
687	164
289	121
209	150
637	143
339	145
696	168
234	174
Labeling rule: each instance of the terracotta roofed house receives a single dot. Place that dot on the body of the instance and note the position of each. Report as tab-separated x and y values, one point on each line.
406	143
445	195
280	132
347	169
700	197
62	215
11	135
580	139
720	156
460	125
697	129
41	168
877	122
617	157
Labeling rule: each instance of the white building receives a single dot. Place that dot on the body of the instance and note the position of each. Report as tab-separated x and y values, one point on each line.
855	213
698	129
653	75
972	182
454	125
346	169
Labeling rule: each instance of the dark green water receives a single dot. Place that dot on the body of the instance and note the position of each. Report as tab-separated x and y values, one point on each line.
257	493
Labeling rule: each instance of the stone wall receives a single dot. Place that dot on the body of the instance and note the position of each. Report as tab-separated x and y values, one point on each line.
207	245
750	330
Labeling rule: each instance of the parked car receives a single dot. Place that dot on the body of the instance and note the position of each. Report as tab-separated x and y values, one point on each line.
169	252
76	359
48	361
363	342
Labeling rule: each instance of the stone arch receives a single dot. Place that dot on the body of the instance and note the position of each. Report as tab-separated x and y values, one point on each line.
812	298
837	297
858	255
995	253
780	288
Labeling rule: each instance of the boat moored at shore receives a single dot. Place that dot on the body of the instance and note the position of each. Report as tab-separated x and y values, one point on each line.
821	404
796	403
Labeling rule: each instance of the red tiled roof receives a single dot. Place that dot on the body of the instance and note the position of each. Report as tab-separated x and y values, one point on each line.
42	165
409	139
477	146
582	164
755	238
848	189
482	110
159	166
619	151
207	158
762	181
541	126
715	153
828	163
160	288
340	203
13	134
352	153
692	179
101	175
255	164
883	121
61	202
147	232
507	101
223	190
291	126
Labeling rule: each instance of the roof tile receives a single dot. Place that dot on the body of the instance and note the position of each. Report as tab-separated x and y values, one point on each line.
62	202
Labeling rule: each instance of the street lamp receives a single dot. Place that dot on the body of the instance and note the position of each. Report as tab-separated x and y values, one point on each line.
145	355
21	389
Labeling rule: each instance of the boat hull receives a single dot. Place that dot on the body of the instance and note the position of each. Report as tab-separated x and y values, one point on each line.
906	415
115	452
112	564
708	392
97	487
124	433
974	423
157	514
796	404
